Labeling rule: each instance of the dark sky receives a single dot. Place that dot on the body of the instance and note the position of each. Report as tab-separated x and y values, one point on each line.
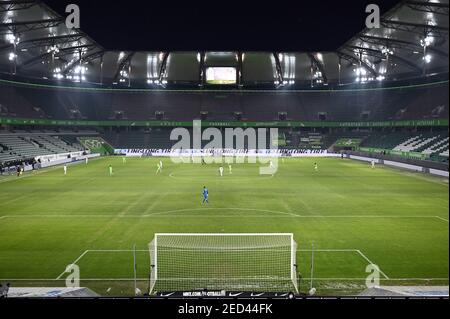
277	25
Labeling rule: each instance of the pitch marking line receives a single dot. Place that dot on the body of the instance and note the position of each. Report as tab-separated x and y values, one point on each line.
228	208
316	279
371	263
299	250
283	215
445	220
172	175
74	263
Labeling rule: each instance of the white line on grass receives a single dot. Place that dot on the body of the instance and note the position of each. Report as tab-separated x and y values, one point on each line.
288	215
140	250
445	220
370	262
172	175
146	279
227	208
74	263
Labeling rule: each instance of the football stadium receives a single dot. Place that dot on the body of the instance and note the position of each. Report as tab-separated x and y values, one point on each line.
224	173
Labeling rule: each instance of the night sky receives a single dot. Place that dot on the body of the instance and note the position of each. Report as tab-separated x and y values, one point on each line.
277	25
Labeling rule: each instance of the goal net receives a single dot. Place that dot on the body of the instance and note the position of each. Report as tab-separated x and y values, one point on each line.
231	262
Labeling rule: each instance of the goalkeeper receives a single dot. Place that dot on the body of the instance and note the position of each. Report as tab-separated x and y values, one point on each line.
205	195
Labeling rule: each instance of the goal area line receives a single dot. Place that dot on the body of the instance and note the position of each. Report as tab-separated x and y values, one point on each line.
357	251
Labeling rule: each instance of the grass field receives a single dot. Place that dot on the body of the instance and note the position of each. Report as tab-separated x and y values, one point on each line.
353	214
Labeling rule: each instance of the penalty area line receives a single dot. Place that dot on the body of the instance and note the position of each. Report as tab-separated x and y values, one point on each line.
371	263
74	263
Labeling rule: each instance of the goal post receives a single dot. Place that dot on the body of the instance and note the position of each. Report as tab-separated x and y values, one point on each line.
232	262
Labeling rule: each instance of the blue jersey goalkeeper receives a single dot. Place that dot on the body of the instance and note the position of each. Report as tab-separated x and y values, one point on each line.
205	195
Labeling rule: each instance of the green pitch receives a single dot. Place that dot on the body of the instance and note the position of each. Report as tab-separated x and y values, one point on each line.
354	215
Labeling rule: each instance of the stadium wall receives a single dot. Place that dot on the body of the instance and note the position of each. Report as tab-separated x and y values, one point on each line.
438	169
54	160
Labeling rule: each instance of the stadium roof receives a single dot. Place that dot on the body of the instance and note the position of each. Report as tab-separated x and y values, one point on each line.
411	43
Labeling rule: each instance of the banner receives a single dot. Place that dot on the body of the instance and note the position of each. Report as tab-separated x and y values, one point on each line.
413	155
274	124
348	142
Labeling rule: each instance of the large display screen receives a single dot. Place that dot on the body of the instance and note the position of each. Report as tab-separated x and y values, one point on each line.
221	75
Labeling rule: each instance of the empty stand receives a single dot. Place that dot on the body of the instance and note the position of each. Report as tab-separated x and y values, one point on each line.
377	105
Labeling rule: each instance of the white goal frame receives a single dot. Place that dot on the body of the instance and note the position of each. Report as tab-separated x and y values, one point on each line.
154	249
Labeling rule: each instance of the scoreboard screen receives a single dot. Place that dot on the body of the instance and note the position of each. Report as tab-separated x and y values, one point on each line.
221	75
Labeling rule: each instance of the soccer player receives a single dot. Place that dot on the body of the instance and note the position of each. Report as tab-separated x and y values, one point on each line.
124	160
86	160
65	169
221	171
161	164
110	170
205	195
230	169
316	167
159	168
373	164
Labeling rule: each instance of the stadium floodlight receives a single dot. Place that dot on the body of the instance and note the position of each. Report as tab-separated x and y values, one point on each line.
230	262
427	58
319	57
427	41
12	39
